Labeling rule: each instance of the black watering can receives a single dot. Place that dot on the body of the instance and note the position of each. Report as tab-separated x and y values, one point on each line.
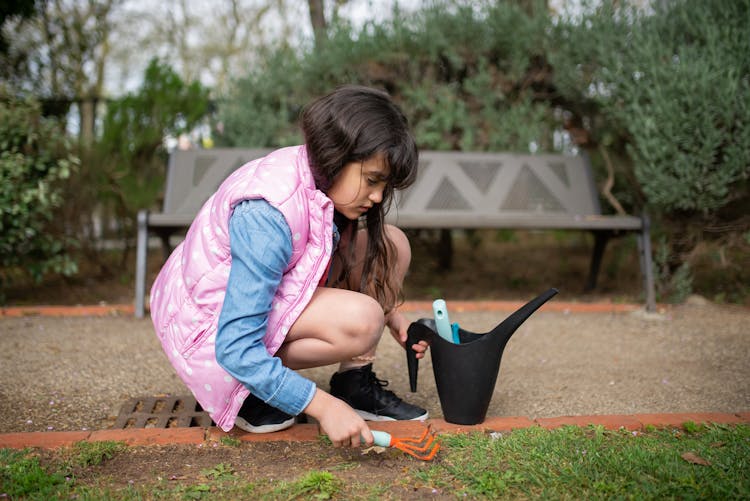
466	372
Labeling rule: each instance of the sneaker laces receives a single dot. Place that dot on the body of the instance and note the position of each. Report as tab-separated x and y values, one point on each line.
376	388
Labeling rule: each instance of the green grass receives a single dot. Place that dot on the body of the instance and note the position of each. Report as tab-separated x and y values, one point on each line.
696	462
593	463
22	477
93	453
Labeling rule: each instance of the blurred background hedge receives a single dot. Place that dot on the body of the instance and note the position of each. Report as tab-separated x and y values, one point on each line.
658	96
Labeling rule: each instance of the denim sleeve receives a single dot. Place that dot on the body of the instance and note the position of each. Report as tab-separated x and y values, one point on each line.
261	247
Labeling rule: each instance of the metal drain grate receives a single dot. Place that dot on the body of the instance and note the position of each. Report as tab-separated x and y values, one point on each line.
162	412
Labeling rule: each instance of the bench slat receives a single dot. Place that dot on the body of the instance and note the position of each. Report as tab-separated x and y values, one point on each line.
523	221
159	219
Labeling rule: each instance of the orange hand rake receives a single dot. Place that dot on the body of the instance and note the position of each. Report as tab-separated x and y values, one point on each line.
424	447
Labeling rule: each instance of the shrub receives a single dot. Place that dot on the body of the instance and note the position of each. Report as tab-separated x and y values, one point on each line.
467	78
34	162
667	90
668	86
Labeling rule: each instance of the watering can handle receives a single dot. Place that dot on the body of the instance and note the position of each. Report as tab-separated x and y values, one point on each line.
417	332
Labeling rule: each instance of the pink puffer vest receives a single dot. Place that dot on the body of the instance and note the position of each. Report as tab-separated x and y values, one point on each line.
187	296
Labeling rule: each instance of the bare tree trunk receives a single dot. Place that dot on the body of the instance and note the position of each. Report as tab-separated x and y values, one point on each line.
318	20
87	114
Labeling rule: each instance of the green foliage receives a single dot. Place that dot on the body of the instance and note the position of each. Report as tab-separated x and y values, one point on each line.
689	110
667	92
130	156
230	441
218	472
464	75
124	170
35	160
659	96
471	74
261	108
698	462
674	85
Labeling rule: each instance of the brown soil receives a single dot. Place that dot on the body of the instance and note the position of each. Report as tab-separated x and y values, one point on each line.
267	464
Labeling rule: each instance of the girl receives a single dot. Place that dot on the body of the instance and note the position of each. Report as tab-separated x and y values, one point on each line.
275	275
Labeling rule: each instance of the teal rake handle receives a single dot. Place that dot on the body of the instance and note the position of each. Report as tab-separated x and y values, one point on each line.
423	448
382	439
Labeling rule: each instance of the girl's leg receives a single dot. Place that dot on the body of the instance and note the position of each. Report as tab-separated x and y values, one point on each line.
341	325
402	261
344	326
336	325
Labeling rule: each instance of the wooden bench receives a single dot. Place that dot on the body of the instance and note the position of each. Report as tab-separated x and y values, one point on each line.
454	190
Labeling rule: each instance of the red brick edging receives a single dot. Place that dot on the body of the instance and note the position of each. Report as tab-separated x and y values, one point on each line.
97	310
309	432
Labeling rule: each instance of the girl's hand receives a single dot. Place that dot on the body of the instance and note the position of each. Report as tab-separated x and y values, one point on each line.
398	326
344	427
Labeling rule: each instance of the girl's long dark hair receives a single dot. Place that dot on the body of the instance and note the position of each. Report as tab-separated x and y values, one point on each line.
352	124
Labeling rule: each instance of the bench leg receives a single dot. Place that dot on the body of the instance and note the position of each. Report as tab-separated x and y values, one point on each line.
141	255
445	250
166	248
647	267
600	243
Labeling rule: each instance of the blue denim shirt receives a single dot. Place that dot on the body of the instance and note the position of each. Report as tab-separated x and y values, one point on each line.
261	246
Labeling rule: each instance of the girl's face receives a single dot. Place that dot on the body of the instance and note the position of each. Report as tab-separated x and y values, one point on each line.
359	186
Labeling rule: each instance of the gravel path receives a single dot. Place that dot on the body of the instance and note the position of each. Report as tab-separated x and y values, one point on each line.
75	373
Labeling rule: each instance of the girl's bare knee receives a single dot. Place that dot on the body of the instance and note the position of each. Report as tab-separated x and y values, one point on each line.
368	324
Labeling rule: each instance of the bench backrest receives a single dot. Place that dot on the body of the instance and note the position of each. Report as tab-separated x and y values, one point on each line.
467	189
194	175
453	189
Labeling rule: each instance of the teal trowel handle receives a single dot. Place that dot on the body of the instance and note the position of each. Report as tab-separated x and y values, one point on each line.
442	322
445	329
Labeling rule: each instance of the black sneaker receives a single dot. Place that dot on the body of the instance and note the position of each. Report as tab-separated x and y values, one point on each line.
367	395
256	416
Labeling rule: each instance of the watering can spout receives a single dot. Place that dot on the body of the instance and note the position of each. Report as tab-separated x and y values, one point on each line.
425	329
508	327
